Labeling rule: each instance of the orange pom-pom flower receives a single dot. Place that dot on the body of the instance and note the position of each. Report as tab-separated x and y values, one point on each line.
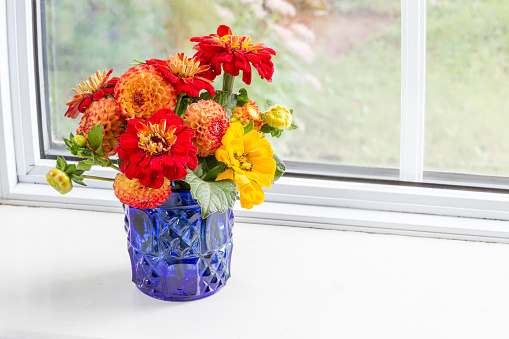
104	111
134	194
210	122
142	91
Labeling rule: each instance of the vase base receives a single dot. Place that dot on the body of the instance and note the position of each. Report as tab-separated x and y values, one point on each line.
179	298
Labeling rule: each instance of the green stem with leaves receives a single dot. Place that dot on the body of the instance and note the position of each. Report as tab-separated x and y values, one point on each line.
106	160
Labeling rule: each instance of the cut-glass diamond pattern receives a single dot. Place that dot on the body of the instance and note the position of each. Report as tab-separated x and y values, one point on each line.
175	254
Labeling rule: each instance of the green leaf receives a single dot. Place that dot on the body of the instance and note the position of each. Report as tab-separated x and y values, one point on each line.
96	160
292	127
95	136
70	169
83	152
206	96
205	165
266	129
249	127
212	173
61	163
242	97
137	62
213	196
227	100
276	133
85	165
280	168
119	162
291	111
77	179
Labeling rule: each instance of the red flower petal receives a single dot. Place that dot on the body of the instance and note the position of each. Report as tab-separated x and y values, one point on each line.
224	30
150	167
84	104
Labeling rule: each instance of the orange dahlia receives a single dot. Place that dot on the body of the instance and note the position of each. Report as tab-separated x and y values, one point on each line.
209	121
157	148
104	111
142	91
235	53
94	88
247	113
186	74
134	194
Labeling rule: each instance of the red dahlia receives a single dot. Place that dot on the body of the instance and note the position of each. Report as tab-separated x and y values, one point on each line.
186	74
157	148
235	53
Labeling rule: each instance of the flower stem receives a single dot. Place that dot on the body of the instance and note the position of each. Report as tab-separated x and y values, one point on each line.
97	178
179	101
105	160
112	165
228	80
115	167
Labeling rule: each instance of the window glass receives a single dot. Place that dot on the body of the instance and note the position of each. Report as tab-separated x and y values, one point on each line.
466	87
338	63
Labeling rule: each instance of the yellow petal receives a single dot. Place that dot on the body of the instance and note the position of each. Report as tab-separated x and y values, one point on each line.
228	174
241	179
250	195
252	176
223	156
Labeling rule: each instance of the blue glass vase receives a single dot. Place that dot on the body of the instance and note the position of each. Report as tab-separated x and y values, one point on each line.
176	254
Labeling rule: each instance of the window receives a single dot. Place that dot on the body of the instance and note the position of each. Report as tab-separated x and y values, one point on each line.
338	65
467	81
363	89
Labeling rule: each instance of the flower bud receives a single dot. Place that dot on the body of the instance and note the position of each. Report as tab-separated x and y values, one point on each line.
278	117
59	180
80	140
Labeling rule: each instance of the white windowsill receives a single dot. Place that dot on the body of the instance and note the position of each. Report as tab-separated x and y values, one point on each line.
351	217
67	275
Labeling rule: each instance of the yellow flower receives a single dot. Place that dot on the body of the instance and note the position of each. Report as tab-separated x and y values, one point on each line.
278	117
249	161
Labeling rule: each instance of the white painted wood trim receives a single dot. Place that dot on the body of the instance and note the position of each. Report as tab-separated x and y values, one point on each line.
8	174
413	73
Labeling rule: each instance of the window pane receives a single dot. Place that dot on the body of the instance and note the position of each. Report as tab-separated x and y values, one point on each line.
467	86
338	63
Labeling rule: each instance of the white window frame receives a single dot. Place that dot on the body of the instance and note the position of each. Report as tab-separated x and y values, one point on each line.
373	207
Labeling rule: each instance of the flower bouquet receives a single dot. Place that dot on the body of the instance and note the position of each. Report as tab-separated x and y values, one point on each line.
181	146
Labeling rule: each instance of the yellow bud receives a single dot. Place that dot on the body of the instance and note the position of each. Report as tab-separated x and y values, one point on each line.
59	180
278	117
80	140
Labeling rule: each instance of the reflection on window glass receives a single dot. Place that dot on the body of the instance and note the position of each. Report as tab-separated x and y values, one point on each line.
467	86
337	63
